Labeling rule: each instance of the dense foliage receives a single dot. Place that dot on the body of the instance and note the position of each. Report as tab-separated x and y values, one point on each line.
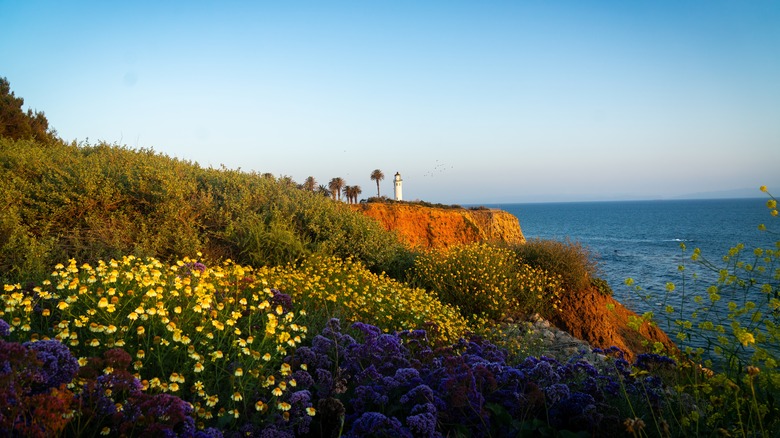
15	123
570	260
92	202
487	281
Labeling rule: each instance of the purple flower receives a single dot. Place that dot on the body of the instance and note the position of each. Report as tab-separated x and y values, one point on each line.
324	382
544	373
165	413
406	376
5	329
556	392
208	433
419	394
58	364
281	299
377	425
576	412
272	432
303	378
650	361
422	425
367	397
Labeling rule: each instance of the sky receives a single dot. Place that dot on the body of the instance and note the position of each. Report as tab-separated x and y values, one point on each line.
470	101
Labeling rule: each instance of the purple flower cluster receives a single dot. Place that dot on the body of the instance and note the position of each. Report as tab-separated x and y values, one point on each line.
34	397
115	401
362	383
5	329
58	365
397	385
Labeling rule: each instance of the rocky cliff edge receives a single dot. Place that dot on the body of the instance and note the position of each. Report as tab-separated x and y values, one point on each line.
435	227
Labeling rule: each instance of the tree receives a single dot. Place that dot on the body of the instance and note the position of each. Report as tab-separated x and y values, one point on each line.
352	193
310	184
356	192
335	185
377	176
347	191
322	190
17	124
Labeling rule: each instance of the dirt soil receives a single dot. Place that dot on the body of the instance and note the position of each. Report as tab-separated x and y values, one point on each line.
602	321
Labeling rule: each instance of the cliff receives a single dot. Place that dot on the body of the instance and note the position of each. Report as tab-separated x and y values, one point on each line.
434	227
588	315
603	322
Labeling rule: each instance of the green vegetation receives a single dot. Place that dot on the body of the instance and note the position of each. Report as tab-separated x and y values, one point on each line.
91	202
570	260
17	124
487	281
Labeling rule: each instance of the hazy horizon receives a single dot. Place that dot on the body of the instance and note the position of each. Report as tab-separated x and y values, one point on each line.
489	102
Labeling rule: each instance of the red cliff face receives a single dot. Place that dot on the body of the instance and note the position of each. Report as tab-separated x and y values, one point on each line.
432	227
603	322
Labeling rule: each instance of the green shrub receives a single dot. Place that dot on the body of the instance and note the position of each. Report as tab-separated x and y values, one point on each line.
601	285
486	280
572	261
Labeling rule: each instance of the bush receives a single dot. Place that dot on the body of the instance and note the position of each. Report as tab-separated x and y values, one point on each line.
332	287
570	260
486	280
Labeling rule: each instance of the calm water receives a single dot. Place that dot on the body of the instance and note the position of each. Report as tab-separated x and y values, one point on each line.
641	239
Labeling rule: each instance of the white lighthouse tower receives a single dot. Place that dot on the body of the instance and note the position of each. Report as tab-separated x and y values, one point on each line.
397	181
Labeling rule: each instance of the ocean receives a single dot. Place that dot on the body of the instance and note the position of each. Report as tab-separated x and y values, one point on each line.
641	239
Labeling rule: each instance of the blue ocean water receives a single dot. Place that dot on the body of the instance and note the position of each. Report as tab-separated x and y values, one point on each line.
641	239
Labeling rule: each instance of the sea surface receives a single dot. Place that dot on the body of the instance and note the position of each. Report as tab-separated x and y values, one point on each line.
641	239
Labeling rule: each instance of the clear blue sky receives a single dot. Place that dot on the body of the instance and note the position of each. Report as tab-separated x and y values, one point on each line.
473	102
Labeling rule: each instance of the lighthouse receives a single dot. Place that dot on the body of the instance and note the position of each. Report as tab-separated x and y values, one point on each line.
397	181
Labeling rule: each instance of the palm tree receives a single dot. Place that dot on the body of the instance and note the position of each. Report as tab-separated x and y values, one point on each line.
352	193
377	176
335	185
356	191
310	184
322	190
347	190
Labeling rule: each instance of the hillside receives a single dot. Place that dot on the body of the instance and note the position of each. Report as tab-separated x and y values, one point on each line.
434	227
90	202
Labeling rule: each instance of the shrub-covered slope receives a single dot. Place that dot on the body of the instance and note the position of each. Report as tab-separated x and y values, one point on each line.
103	201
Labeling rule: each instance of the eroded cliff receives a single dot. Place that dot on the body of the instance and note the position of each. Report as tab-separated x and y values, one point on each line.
435	227
588	315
